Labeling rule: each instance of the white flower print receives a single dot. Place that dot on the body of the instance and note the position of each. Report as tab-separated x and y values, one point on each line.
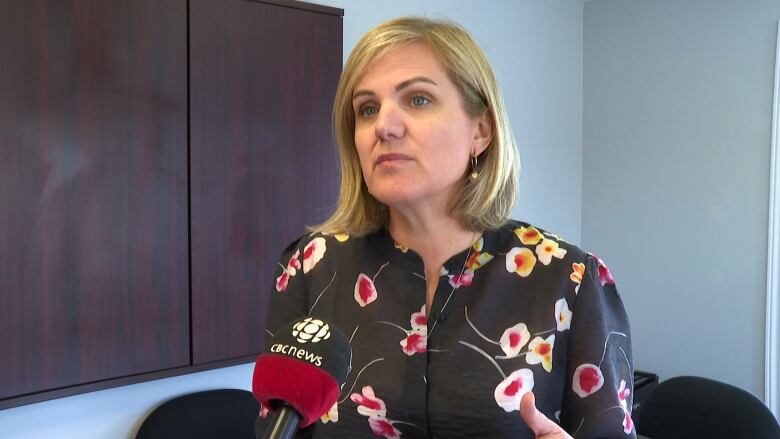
331	415
587	380
513	339
510	391
547	249
562	315
368	403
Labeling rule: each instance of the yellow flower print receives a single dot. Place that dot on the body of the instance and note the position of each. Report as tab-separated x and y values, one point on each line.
338	234
477	260
578	270
540	351
401	247
529	235
547	249
520	260
331	415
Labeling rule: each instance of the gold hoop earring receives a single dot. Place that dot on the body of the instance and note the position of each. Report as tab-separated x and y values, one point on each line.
474	173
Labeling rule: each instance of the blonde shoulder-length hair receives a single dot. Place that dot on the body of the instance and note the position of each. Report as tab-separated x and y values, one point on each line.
483	203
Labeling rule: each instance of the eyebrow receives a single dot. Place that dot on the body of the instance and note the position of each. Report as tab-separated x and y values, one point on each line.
398	87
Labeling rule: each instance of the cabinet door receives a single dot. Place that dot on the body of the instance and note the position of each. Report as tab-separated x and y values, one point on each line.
263	162
93	191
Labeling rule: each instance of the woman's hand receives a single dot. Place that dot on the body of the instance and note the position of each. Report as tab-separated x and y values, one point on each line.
540	424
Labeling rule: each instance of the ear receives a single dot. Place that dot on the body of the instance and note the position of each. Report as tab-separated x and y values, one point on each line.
483	133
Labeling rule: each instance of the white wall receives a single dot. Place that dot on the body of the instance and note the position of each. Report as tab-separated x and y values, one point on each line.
536	49
676	147
114	413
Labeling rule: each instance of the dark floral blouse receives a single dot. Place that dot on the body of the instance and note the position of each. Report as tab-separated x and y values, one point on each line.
520	310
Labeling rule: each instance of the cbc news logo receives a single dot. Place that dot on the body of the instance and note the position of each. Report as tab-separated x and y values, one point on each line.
311	329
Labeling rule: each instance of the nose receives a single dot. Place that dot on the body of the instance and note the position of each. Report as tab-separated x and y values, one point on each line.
389	122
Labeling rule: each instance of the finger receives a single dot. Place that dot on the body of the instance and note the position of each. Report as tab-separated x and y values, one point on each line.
536	420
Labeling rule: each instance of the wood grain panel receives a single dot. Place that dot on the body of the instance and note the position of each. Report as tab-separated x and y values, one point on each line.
93	191
263	163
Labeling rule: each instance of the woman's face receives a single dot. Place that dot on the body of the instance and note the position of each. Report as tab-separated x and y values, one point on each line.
412	135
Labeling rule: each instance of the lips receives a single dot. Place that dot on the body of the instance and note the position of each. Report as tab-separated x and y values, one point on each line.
391	158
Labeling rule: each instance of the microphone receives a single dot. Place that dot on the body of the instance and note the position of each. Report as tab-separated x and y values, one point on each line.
300	374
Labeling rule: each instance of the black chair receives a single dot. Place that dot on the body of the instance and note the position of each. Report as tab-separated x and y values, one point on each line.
211	414
692	407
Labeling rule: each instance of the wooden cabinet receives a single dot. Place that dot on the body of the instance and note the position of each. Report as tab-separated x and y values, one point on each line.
155	157
262	82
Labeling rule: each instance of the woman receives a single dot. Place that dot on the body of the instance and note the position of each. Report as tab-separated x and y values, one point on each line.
455	313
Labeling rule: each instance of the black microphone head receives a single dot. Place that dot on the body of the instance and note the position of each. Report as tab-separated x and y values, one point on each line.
305	363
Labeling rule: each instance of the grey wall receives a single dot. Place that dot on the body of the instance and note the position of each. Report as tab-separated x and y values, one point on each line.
676	146
536	48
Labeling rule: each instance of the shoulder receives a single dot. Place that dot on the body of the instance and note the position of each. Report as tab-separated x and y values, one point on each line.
543	246
519	233
312	248
316	244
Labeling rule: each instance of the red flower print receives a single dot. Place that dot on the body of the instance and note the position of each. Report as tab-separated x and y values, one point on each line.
415	343
513	339
477	258
540	351
383	427
263	411
605	276
461	280
587	380
623	392
510	391
294	264
520	260
419	320
365	291
281	281
529	235
368	403
628	423
290	270
313	253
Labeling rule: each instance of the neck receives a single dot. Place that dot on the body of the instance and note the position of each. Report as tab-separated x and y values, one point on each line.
435	238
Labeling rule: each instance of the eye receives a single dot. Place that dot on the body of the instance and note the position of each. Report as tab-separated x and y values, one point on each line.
368	110
419	101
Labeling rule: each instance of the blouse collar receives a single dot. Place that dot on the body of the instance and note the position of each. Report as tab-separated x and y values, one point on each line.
490	242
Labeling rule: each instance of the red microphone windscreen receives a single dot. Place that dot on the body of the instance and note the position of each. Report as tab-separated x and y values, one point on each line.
308	389
305	364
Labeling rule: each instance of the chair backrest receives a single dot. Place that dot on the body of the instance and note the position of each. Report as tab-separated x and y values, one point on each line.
223	414
694	407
